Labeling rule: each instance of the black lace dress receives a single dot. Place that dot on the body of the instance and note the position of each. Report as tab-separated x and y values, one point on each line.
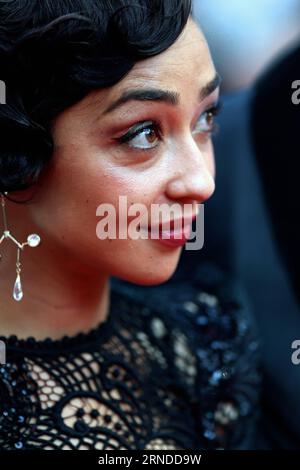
173	367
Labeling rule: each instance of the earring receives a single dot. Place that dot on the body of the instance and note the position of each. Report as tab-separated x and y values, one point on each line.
33	240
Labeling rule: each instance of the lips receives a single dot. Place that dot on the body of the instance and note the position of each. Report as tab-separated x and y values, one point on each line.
173	226
174	233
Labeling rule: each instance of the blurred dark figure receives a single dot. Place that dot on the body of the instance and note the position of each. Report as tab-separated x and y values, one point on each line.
252	230
275	128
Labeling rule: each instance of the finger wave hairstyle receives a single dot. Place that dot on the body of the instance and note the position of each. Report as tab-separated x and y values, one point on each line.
54	52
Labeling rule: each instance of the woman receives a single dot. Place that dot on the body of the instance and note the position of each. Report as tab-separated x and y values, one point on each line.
107	101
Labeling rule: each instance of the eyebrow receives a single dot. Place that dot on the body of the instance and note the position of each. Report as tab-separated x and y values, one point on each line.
156	94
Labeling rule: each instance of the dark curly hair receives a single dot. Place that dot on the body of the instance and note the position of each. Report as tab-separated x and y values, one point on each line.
54	52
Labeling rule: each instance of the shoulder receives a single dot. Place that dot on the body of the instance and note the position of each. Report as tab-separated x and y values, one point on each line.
214	343
210	304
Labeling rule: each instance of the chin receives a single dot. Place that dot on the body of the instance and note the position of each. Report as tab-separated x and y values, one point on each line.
151	276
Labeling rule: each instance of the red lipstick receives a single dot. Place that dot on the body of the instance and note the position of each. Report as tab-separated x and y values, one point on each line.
175	234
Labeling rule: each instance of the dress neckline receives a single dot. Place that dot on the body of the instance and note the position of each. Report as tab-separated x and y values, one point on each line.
80	339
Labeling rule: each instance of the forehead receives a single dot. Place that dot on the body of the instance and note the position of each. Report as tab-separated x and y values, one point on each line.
187	60
184	68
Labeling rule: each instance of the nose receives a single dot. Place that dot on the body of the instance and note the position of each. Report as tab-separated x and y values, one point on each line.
192	177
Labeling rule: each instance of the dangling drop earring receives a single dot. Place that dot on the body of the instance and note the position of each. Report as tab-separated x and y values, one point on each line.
33	240
18	291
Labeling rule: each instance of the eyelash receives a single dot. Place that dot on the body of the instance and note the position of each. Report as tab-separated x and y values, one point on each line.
154	125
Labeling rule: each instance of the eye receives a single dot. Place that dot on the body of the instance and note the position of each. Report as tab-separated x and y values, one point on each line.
206	123
144	136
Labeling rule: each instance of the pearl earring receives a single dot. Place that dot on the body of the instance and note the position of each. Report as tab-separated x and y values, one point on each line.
33	240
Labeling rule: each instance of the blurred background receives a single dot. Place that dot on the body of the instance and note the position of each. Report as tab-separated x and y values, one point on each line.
246	35
252	221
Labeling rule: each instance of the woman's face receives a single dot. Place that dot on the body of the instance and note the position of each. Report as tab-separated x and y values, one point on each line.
153	146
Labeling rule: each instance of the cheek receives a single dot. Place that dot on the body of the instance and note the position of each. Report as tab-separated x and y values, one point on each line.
73	188
78	181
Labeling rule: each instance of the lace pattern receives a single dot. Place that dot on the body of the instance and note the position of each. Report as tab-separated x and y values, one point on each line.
176	369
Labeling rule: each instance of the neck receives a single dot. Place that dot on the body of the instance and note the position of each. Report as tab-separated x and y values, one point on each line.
61	296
